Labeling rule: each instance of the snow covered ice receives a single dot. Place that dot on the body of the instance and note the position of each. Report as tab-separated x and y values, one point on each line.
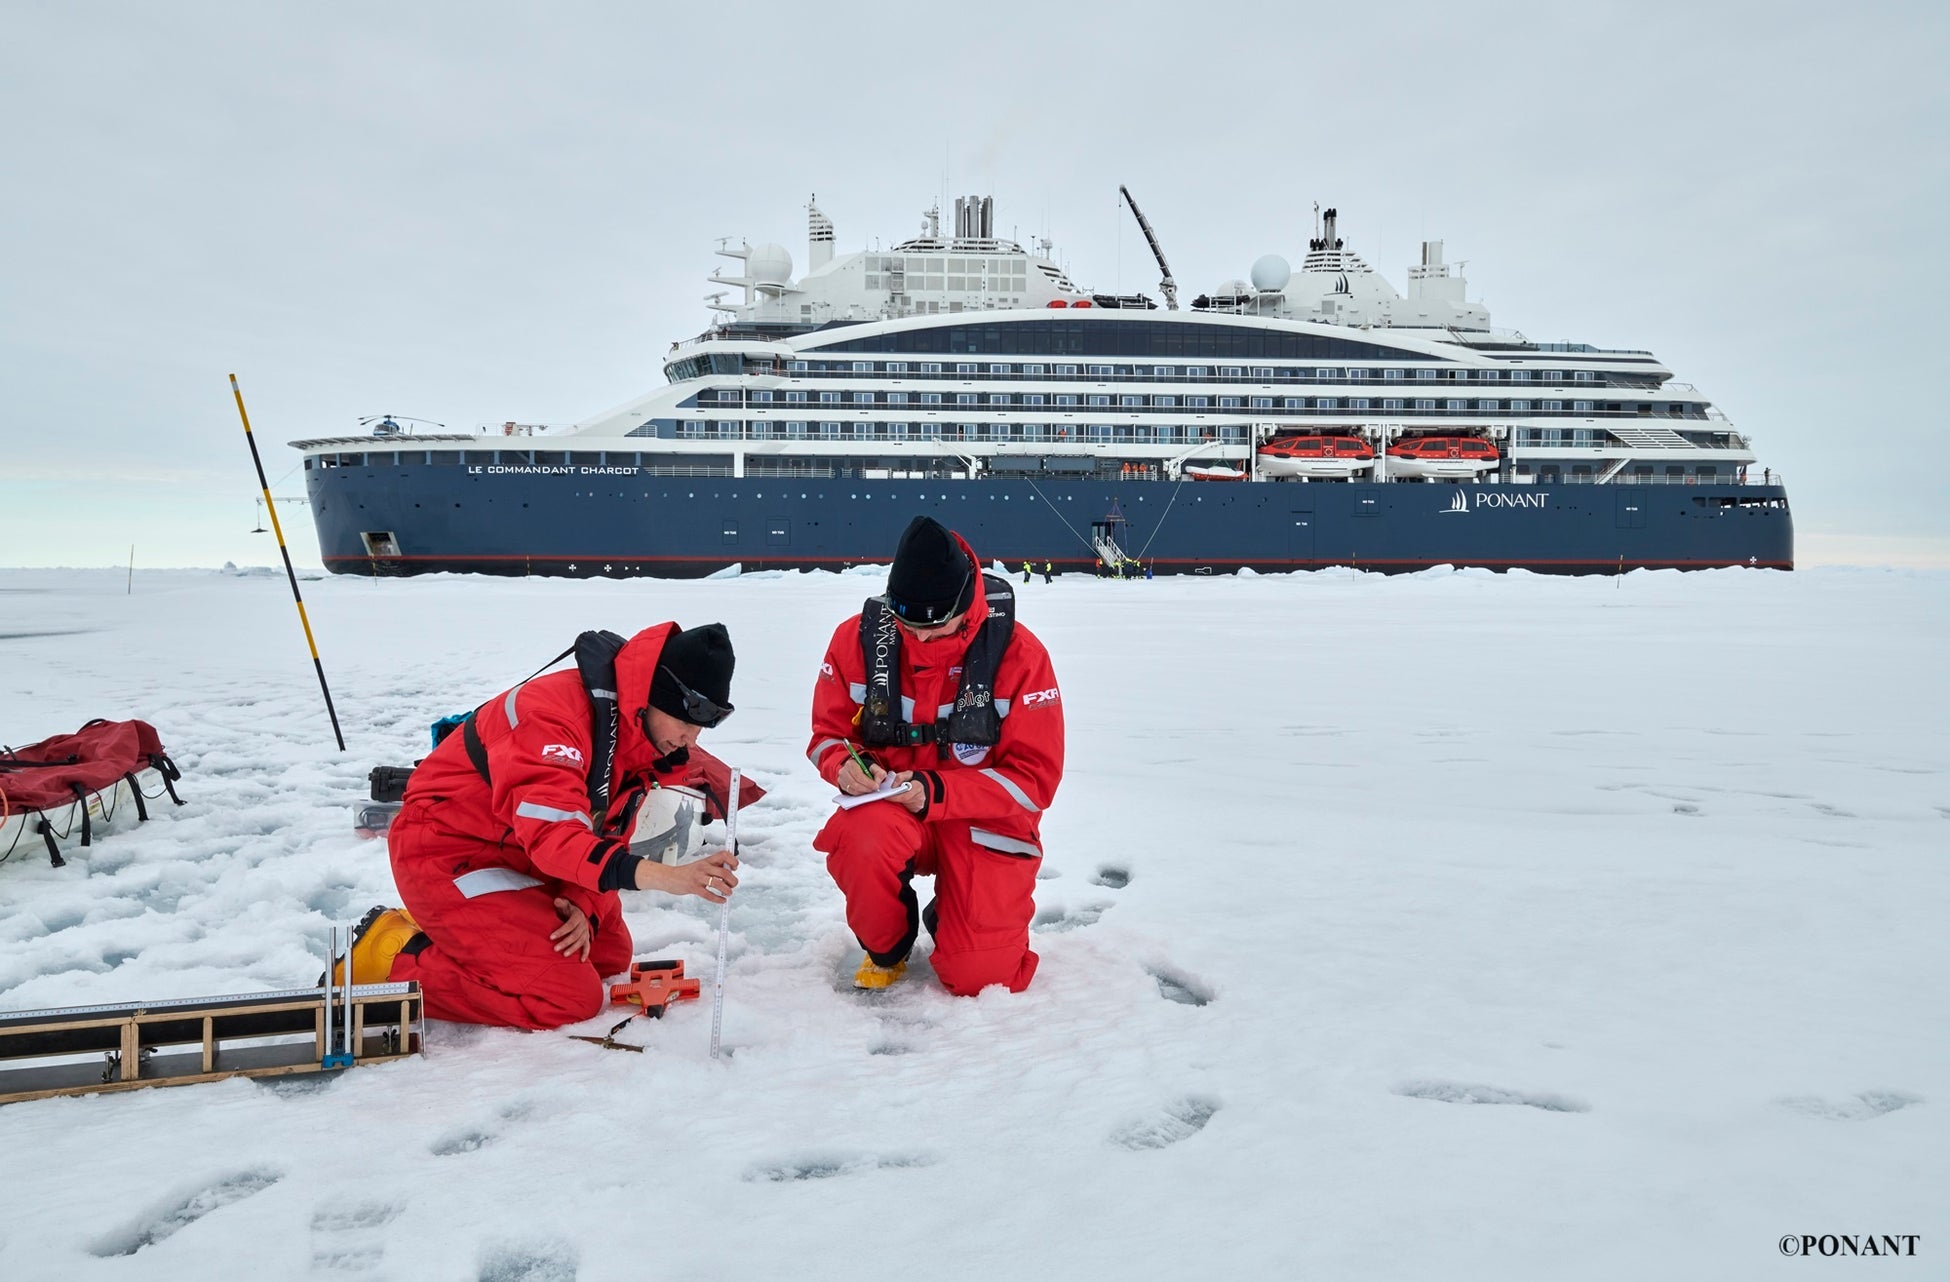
1456	925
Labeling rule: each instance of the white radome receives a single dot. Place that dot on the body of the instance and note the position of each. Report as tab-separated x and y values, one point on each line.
770	265
1233	288
1271	273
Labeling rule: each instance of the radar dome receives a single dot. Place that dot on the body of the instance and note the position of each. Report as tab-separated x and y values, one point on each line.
770	264
1232	288
1271	273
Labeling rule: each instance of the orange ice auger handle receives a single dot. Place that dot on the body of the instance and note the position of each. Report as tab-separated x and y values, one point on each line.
654	985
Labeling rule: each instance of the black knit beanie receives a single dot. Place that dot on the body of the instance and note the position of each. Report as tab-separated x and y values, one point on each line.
701	658
932	577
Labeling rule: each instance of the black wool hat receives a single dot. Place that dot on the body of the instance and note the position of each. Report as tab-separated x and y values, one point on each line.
701	659
932	578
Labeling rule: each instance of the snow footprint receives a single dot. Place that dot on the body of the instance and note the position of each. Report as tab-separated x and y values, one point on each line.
1180	1120
1176	986
345	1236
548	1260
1111	877
1057	920
469	1138
1465	1093
172	1217
1859	1108
826	1166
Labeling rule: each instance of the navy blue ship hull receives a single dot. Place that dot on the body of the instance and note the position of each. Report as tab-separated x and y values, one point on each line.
418	518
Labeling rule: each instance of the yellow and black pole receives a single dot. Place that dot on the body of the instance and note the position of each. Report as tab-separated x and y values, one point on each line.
284	551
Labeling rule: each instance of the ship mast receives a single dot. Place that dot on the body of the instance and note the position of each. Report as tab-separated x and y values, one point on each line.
1168	287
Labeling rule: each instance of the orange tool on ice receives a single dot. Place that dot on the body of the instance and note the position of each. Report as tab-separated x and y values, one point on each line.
654	985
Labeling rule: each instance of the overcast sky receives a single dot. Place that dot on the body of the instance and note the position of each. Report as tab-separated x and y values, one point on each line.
478	212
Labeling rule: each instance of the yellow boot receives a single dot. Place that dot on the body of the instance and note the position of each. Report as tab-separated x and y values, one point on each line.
873	975
376	940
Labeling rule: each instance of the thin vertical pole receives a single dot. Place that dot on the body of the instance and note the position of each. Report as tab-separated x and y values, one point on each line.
724	912
131	591
285	552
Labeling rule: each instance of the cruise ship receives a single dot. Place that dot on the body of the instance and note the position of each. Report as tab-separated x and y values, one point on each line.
1287	420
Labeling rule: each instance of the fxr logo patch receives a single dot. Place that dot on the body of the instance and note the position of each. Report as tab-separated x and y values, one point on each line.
1041	696
825	669
562	752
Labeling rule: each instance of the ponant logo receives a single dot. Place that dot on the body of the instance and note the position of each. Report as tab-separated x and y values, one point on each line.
1495	498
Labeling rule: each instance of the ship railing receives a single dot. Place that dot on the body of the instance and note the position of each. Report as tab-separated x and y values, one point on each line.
1753	476
1501	387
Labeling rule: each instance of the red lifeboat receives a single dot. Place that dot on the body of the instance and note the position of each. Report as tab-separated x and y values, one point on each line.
1442	456
1320	455
1056	302
1082	302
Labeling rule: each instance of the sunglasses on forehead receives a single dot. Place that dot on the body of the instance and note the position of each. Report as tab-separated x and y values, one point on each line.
698	709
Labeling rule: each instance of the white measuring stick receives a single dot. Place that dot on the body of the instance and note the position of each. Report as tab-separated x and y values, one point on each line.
724	912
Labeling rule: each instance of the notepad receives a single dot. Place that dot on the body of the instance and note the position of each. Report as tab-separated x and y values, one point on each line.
888	788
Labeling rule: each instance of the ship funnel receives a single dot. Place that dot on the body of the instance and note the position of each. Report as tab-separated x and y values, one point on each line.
819	237
974	218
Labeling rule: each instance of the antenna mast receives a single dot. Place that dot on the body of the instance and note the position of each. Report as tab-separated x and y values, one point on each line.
1168	287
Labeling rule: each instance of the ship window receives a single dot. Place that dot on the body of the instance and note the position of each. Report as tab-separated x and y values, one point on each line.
1390	403
1486	407
1359	403
1165	371
1457	405
1425	373
762	397
1262	402
1581	407
1065	369
863	367
1391	374
998	398
1228	402
998	369
897	398
1065	398
1425	404
1520	407
897	367
965	368
863	398
1586	376
1035	371
1356	374
1551	407
1130	400
795	398
1519	376
829	398
930	367
1195	371
1197	402
829	430
1164	402
964	398
1326	403
1262	371
795	430
1100	371
930	398
1032	398
1488	375
1099	400
1294	403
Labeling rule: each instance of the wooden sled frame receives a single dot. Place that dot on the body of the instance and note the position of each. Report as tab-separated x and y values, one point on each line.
88	1050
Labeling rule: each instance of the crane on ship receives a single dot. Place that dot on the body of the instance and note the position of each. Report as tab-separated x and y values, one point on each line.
1168	287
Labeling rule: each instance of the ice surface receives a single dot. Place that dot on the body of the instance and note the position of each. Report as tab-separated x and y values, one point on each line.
1656	867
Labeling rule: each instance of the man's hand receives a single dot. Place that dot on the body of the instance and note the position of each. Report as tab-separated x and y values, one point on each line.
853	781
711	877
913	793
573	936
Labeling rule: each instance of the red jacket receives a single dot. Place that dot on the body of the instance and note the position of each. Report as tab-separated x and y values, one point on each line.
539	738
1001	793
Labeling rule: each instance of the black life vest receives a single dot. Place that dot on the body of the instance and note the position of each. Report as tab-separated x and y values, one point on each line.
595	654
974	720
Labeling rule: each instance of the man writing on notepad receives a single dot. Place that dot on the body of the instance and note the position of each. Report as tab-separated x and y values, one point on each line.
935	688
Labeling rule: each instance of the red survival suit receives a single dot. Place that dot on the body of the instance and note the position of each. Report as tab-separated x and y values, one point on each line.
480	870
980	834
